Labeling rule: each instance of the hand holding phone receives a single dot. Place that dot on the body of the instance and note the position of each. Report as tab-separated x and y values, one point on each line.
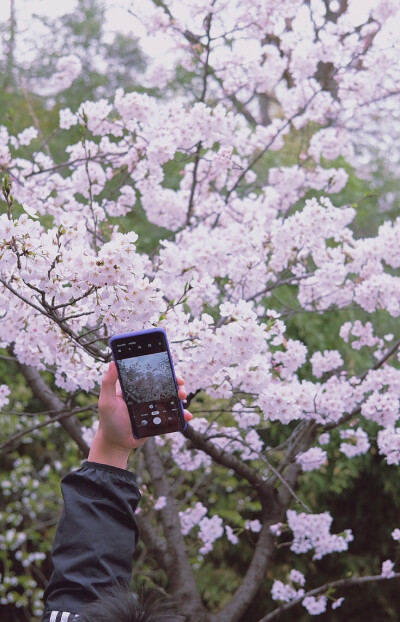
148	382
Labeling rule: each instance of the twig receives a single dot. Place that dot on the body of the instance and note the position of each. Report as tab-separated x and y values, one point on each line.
199	144
356	411
274	615
48	311
43	424
50	400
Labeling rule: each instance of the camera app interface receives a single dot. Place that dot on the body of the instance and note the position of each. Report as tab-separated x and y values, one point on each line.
148	384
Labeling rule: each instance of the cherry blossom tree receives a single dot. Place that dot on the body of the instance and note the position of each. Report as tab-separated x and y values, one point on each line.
276	104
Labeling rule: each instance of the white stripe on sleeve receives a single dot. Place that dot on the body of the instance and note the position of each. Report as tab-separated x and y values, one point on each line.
63	616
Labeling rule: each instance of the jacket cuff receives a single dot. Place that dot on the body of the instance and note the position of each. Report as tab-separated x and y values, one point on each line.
98	466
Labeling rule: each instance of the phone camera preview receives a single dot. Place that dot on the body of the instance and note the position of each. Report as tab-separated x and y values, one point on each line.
147	380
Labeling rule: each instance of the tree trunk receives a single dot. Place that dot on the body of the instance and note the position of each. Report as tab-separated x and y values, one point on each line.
182	584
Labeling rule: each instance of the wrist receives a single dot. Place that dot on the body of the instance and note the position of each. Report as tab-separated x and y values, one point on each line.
106	452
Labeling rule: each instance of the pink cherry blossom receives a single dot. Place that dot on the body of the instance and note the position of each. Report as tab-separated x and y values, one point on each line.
312	531
389	444
297	577
315	605
323	362
312	459
253	525
355	442
387	569
210	530
160	503
68	69
396	534
191	517
4	393
284	592
232	537
338	602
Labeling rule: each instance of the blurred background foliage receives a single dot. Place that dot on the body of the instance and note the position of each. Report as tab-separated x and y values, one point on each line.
361	493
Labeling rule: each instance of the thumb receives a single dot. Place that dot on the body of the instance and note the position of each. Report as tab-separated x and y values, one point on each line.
108	385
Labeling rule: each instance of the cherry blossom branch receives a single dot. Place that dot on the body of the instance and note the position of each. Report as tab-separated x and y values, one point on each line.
199	145
289	281
252	580
194	41
301	438
155	545
271	511
341	583
264	459
51	313
262	152
180	574
304	434
87	160
271	507
356	411
71	164
27	97
194	183
240	106
53	416
228	460
22	297
286	484
52	402
373	100
382	360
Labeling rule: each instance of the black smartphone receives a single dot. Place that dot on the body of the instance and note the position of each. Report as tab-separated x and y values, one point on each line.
148	383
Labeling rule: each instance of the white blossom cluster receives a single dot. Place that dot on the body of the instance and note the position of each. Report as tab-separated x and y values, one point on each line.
311	459
312	531
354	442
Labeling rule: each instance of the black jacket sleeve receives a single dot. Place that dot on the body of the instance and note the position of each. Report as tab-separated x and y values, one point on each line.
96	537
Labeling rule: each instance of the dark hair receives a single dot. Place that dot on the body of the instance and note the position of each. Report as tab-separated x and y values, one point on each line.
121	605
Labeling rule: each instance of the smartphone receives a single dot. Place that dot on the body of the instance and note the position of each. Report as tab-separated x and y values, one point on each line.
148	383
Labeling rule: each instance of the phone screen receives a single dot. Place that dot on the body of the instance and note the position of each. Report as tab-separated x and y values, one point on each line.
148	383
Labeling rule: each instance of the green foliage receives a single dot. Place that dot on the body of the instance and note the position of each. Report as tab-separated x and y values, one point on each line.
218	579
30	505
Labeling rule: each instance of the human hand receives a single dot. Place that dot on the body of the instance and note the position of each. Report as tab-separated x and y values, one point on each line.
114	441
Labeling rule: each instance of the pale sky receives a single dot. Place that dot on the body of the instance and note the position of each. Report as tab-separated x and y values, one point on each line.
119	19
117	16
